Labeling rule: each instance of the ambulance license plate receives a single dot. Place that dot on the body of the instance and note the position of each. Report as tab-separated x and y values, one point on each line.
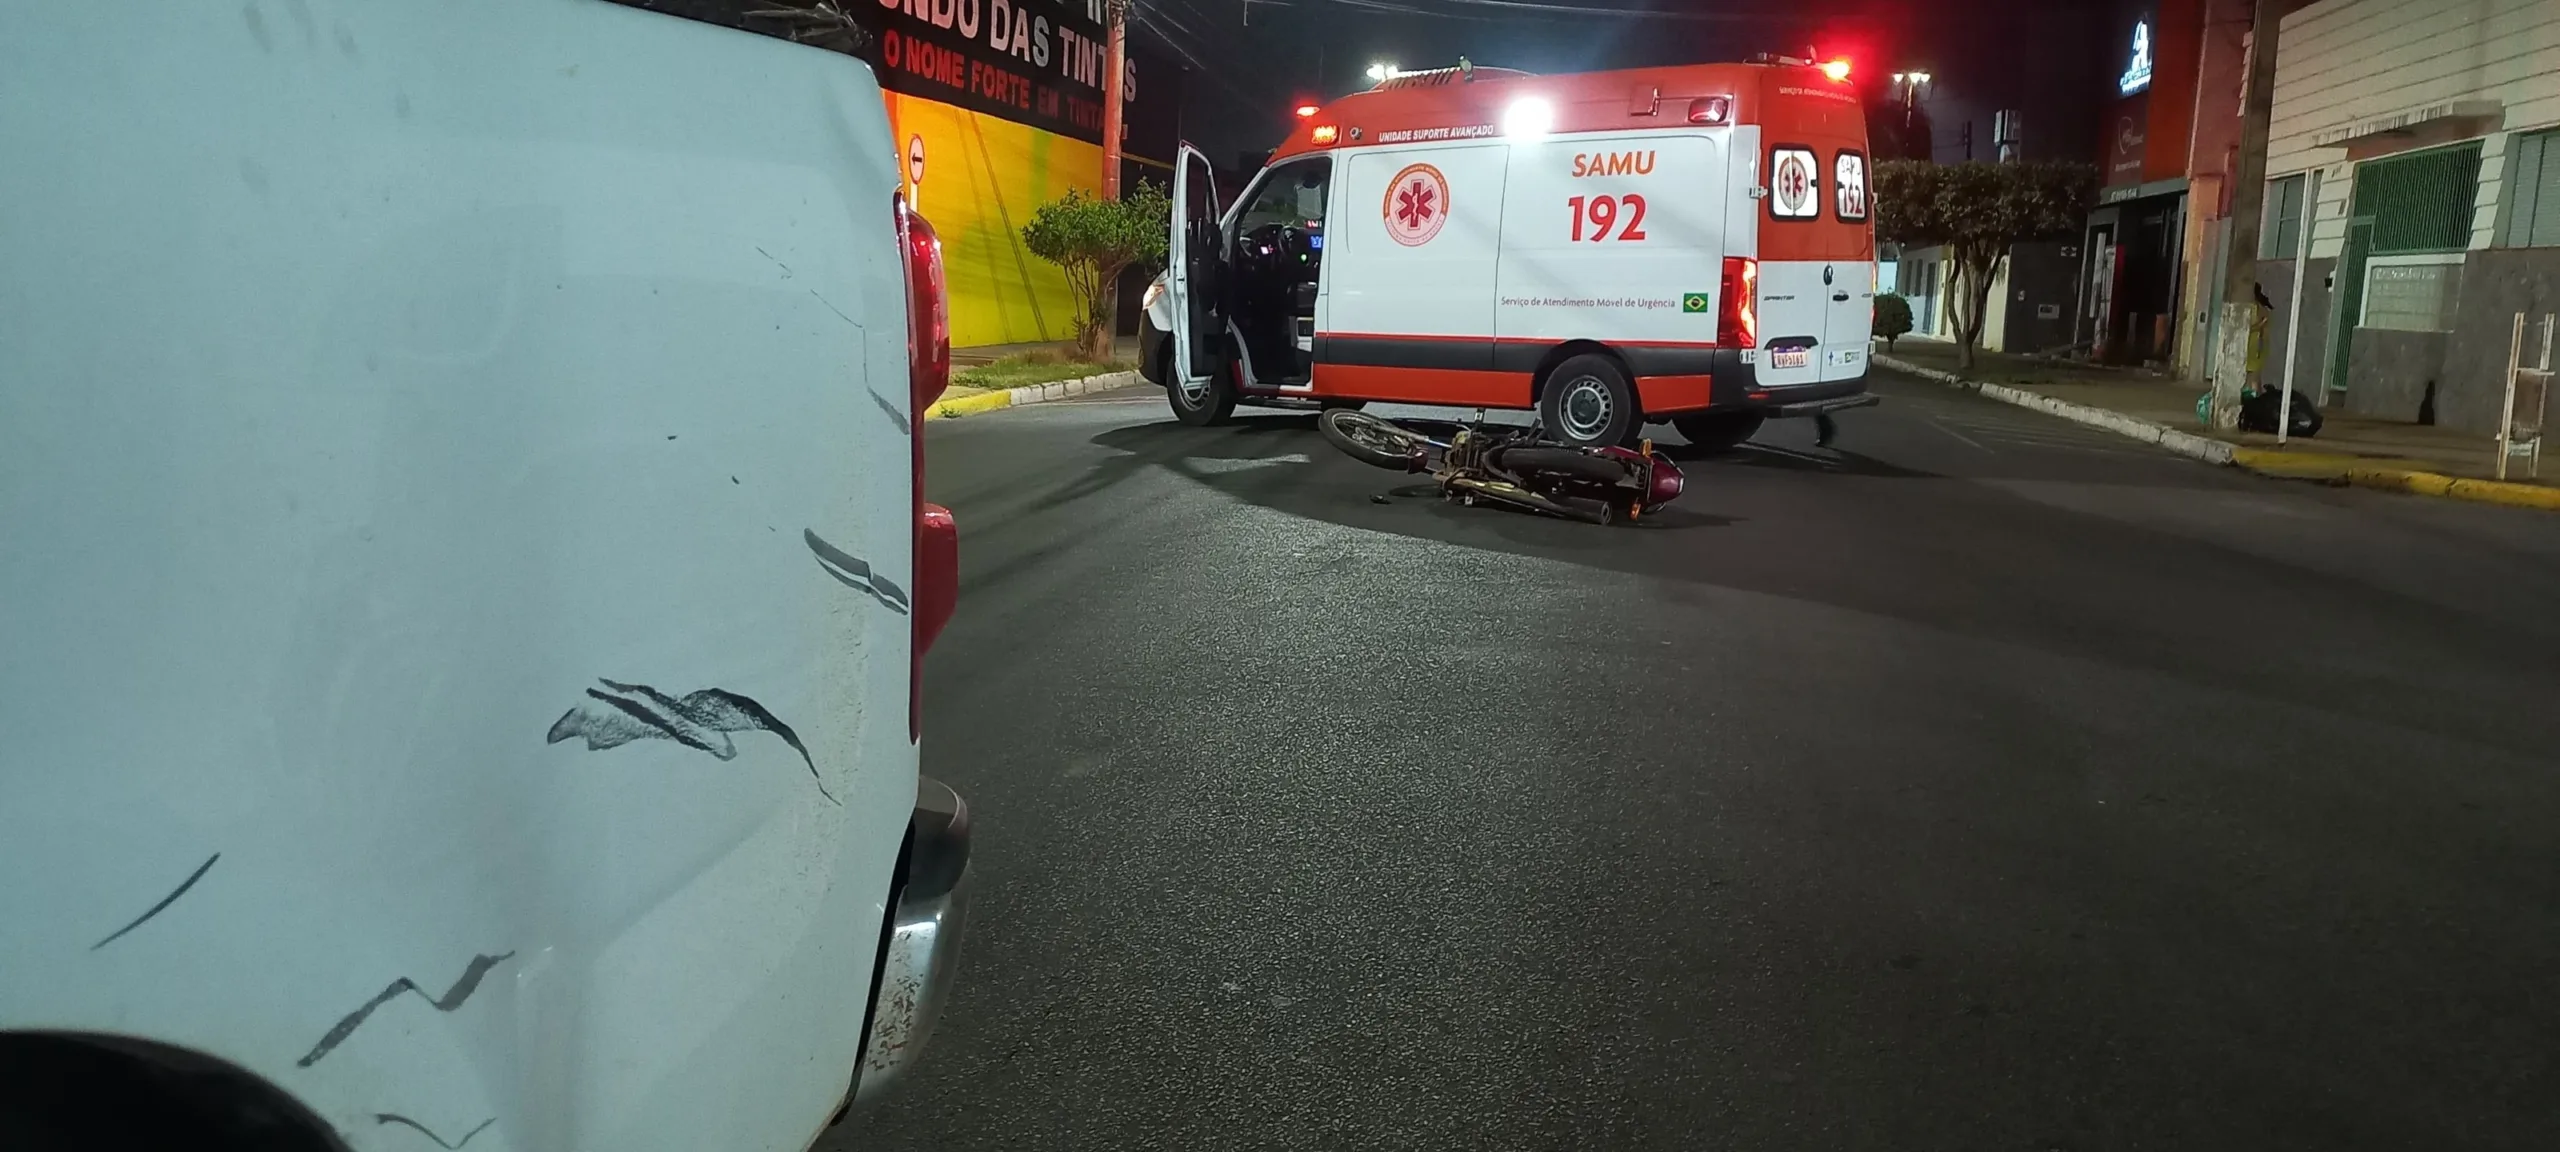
1791	357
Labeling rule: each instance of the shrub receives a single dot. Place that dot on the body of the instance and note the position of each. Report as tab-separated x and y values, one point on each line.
1893	318
1093	240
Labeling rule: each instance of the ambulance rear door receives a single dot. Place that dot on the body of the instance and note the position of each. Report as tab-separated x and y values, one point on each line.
1795	302
1849	320
1816	246
1617	237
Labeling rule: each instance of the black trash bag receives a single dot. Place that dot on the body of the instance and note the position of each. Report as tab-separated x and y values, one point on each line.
2260	407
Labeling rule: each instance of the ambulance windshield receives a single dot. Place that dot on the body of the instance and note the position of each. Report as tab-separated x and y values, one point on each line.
1292	195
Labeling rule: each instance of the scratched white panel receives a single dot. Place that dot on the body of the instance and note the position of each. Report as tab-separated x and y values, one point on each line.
374	379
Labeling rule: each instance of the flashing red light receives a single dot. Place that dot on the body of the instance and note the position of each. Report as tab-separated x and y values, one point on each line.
1306	110
1837	70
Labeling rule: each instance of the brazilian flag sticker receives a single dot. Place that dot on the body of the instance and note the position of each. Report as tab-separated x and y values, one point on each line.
1693	301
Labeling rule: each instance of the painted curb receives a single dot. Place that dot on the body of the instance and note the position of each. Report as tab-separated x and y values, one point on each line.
2416	481
2204	448
2265	462
1029	394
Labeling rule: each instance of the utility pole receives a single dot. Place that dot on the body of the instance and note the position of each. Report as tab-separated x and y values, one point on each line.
1114	66
2248	195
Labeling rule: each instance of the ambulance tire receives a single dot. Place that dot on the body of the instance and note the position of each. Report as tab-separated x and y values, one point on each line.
1589	403
1214	402
1718	431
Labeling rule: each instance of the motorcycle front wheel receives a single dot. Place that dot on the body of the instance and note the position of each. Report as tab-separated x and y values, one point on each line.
1373	441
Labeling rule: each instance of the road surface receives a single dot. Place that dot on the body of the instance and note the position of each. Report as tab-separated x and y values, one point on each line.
1989	783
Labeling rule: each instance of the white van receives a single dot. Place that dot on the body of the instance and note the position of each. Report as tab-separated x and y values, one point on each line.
1688	244
465	582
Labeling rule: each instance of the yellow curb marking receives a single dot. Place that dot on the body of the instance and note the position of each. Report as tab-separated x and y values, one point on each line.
2307	465
970	405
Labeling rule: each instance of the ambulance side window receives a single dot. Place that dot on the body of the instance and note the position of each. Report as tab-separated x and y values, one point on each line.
1291	194
1849	185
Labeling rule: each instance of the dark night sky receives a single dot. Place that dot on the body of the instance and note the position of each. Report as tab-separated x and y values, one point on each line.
2033	54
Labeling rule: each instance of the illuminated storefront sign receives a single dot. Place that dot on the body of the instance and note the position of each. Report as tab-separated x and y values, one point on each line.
2137	74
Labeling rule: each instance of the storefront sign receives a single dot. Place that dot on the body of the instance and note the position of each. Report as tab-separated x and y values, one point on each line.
2124	152
1035	62
2137	73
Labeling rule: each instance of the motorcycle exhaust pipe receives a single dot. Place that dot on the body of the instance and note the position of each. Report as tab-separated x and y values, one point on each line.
1514	494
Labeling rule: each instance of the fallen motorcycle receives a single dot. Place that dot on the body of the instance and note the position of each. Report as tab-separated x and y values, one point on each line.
1512	466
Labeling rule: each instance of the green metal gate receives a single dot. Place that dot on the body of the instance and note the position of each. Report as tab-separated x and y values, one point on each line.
2402	205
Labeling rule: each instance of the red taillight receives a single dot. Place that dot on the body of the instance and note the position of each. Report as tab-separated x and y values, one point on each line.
937	539
1711	110
928	308
1738	316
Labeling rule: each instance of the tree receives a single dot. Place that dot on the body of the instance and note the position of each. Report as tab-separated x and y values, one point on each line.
1893	318
1093	241
1978	211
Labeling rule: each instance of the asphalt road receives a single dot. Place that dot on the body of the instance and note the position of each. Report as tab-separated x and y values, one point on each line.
1989	783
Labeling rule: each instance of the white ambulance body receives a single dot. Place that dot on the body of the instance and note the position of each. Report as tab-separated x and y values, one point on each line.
1686	244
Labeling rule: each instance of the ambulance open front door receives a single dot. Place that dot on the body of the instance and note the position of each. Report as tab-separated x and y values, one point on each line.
1196	270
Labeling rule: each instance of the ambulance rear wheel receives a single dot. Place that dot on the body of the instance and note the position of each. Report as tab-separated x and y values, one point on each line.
1589	403
1199	403
1718	431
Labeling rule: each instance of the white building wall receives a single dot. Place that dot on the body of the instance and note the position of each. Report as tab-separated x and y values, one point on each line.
2349	63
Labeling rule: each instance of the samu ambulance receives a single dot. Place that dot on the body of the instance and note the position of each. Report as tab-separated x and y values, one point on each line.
1689	244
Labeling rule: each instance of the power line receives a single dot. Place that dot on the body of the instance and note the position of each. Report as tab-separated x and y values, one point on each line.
1153	14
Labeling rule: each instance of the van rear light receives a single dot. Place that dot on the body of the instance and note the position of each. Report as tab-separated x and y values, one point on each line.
928	308
1711	110
937	538
1738	316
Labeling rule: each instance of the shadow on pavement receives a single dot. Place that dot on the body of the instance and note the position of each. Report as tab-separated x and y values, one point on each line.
1960	556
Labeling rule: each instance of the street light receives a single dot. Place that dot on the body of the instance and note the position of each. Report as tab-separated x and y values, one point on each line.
1382	71
1910	87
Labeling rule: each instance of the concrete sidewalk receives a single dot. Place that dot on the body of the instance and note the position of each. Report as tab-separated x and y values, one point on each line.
2350	449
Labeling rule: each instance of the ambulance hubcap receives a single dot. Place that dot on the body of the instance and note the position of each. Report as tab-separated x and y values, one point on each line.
1587	408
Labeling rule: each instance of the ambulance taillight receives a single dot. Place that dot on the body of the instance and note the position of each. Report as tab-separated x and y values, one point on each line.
1738	317
1711	110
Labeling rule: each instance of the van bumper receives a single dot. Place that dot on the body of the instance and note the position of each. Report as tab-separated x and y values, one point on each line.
922	949
1737	386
